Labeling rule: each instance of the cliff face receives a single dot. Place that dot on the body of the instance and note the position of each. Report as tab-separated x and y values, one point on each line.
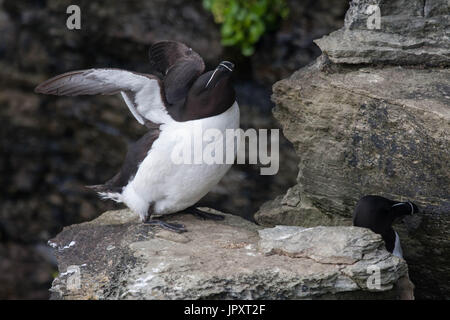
117	257
52	147
372	116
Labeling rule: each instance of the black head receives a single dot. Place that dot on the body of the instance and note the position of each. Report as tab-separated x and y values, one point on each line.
211	94
220	74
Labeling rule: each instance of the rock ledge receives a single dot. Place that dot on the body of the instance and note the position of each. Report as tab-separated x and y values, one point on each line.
116	257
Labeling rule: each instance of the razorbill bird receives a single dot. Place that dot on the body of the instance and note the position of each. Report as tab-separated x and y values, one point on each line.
378	214
177	97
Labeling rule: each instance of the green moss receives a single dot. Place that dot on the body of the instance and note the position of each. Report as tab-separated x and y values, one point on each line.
243	22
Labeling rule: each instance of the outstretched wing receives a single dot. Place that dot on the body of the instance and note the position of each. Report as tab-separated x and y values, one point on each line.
142	93
181	66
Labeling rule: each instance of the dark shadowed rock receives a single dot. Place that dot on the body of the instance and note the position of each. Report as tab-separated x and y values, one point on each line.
117	257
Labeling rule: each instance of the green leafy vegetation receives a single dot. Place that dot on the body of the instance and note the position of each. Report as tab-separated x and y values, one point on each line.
243	22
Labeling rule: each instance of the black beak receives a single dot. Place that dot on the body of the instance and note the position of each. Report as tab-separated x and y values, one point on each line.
223	68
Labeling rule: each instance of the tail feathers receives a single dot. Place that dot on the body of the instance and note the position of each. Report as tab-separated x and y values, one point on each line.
97	187
106	192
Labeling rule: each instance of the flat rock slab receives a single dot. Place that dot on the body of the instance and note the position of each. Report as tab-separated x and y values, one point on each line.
117	257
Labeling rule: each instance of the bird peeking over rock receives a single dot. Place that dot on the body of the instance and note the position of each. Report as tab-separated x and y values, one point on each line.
378	214
171	105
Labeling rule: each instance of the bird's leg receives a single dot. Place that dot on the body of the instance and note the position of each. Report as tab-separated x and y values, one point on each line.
203	214
175	227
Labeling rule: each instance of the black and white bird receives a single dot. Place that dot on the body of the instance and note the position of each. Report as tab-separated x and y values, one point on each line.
378	214
180	99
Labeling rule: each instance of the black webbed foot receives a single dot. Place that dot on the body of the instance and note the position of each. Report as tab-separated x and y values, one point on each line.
175	227
203	214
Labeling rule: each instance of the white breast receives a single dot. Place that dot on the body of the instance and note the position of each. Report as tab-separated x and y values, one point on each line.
398	248
172	187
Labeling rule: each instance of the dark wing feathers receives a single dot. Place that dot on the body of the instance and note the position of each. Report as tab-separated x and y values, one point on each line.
181	66
82	82
164	54
179	80
107	81
179	63
137	152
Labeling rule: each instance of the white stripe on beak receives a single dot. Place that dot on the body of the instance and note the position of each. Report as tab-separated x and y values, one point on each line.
412	208
212	76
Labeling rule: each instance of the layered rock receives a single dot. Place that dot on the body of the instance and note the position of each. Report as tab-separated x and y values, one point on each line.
408	32
117	257
362	125
364	130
